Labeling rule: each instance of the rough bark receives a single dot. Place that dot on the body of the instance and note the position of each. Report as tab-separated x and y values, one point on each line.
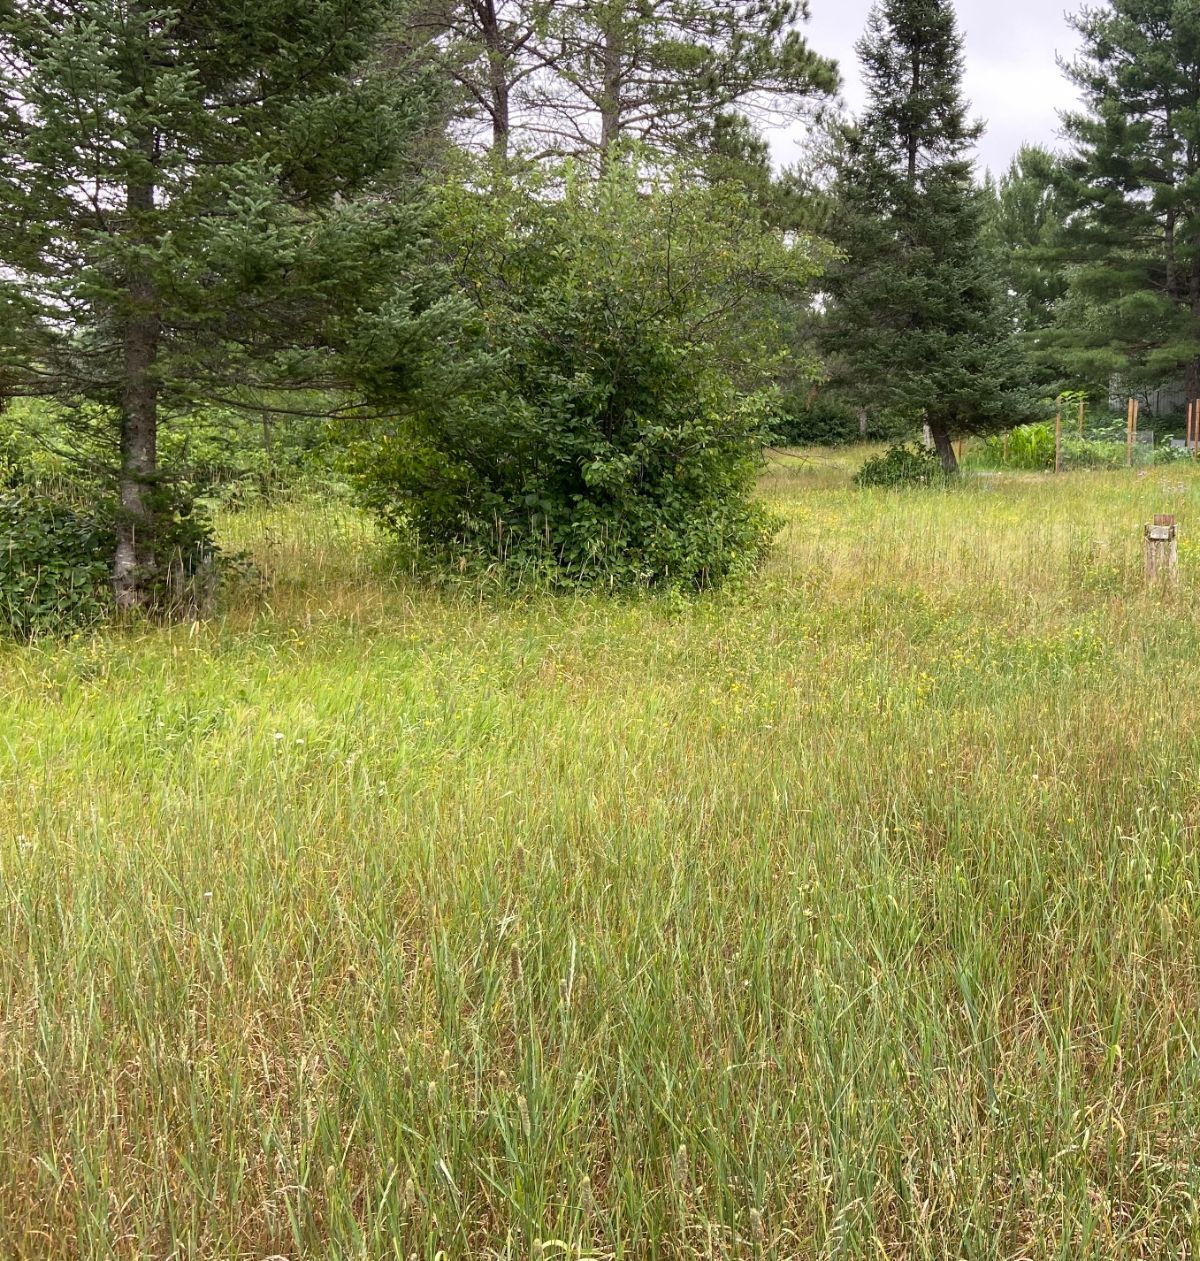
498	61
134	563
944	445
610	101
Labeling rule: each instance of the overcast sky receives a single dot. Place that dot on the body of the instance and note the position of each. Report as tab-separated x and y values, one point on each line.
1013	82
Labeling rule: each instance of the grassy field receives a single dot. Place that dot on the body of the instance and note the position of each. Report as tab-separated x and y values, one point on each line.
853	915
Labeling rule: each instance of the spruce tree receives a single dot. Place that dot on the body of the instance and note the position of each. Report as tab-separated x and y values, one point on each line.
1133	243
201	205
918	323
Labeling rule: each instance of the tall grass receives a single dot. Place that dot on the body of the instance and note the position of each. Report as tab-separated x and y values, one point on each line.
851	915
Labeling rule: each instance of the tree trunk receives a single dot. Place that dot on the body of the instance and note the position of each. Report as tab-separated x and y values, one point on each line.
944	445
498	59
912	144
610	101
134	563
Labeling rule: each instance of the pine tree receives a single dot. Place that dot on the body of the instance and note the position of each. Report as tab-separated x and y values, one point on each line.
1027	219
559	78
488	49
660	72
918	323
201	206
1133	243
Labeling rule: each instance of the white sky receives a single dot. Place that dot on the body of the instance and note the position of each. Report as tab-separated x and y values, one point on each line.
1012	82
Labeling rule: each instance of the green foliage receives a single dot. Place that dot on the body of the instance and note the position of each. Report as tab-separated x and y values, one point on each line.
579	77
918	322
909	464
54	563
1029	447
823	421
1032	448
829	419
1131	246
58	529
270	242
1026	217
609	441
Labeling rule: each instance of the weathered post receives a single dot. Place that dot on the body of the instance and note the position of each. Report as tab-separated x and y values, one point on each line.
1058	461
1162	550
1082	410
1131	430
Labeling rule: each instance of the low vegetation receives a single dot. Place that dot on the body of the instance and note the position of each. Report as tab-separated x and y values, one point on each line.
850	914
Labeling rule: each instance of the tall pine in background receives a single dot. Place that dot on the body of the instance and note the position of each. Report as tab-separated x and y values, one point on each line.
1026	223
576	78
918	323
1133	243
206	201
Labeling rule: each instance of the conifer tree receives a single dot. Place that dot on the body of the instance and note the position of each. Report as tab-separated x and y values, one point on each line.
1133	243
201	204
558	78
1026	223
918	323
660	72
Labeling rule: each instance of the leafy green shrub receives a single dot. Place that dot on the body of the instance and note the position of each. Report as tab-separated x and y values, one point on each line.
820	422
1086	453
1031	448
831	421
906	465
57	540
55	559
609	441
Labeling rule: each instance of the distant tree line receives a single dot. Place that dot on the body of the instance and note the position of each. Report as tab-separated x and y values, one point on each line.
527	267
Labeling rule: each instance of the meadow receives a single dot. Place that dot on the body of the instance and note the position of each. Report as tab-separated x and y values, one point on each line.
849	914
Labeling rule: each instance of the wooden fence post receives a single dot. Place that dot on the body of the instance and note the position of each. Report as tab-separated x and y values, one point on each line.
1162	550
1058	441
1082	407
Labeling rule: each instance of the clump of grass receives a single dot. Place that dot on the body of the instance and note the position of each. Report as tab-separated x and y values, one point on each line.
850	915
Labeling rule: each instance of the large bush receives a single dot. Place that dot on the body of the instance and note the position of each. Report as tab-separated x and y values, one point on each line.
819	420
614	437
828	419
